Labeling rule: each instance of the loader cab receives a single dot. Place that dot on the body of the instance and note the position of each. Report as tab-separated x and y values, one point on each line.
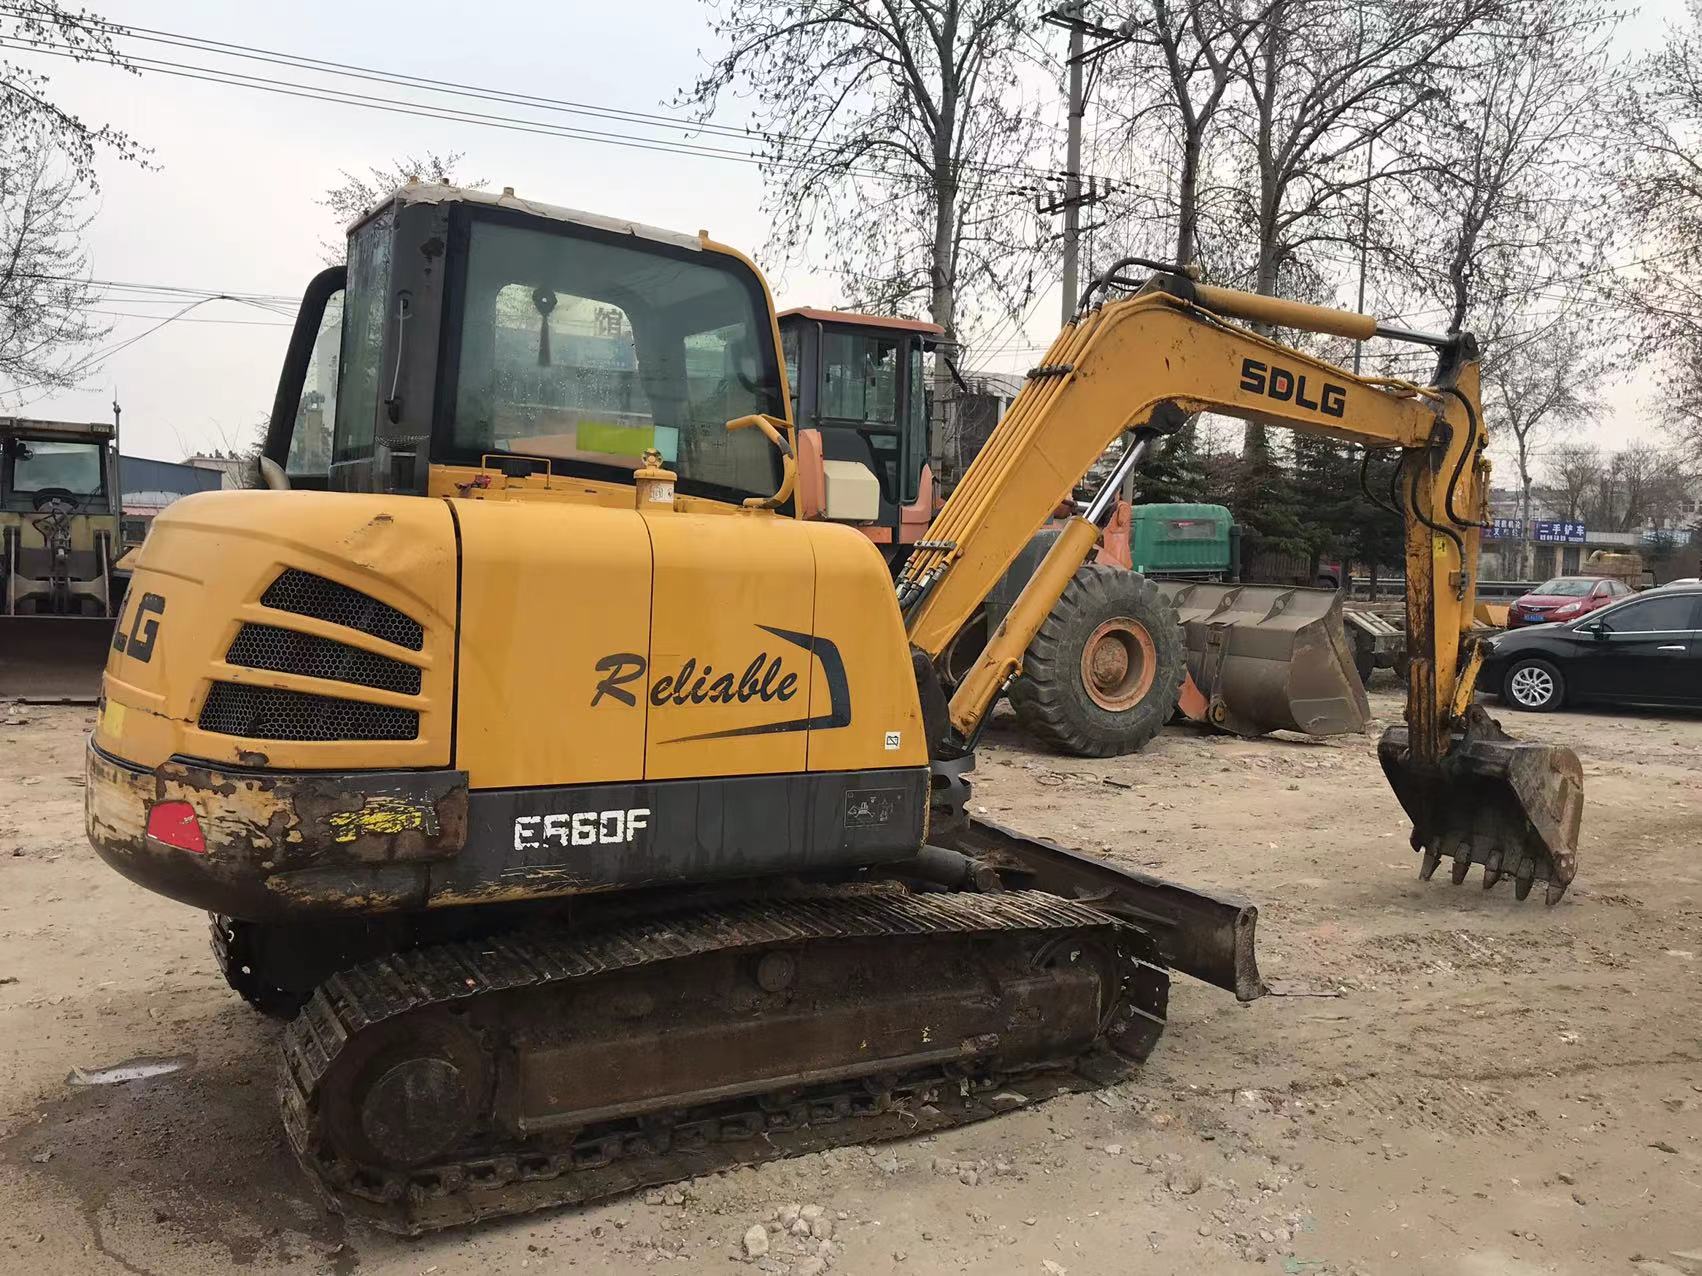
59	502
858	381
42	462
474	341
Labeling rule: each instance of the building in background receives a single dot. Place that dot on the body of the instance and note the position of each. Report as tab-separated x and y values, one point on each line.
969	421
1562	543
227	464
149	486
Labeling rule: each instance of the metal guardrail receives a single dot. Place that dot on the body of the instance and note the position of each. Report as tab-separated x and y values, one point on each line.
1487	590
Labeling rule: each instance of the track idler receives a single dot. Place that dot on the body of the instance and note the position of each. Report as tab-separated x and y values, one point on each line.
1507	804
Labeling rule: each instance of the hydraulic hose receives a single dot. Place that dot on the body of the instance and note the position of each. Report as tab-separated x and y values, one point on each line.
1474	442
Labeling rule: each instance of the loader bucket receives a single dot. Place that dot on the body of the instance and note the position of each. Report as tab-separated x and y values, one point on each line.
53	659
1512	806
1270	658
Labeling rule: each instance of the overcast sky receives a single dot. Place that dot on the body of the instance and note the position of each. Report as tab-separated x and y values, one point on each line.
232	202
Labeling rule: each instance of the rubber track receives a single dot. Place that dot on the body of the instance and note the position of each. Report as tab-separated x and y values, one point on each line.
415	979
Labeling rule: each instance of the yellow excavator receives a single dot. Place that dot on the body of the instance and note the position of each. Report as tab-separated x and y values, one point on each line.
601	821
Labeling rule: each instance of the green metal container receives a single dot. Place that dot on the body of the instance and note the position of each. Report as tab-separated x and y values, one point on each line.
1166	540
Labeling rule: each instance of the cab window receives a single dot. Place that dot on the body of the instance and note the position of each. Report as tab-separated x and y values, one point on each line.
356	406
585	352
316	411
40	465
859	377
789	352
915	424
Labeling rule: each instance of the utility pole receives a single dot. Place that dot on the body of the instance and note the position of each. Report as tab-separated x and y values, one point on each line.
1359	346
1364	244
1072	164
1072	16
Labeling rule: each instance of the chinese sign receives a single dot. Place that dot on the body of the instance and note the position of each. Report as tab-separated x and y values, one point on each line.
1560	533
1548	531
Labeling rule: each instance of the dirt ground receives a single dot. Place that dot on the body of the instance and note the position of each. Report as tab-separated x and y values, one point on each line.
1470	1085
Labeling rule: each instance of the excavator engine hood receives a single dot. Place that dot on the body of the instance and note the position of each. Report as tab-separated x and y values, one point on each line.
1270	658
1511	805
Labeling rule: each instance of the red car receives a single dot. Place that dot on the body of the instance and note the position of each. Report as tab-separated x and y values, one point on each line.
1565	598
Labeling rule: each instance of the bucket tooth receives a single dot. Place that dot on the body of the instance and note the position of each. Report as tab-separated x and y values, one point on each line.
1513	805
1427	867
1460	869
1525	877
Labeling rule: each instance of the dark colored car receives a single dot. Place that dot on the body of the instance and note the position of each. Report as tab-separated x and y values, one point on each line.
1565	598
1646	649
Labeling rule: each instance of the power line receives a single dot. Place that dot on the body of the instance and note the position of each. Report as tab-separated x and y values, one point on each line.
96	358
649	119
347	97
174	290
235	323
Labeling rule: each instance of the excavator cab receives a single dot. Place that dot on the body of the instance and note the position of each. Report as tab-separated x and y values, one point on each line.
859	398
473	338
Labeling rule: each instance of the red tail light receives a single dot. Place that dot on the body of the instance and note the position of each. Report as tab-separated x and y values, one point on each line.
176	824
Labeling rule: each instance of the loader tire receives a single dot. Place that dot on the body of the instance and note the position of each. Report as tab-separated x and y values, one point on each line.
1364	661
1103	675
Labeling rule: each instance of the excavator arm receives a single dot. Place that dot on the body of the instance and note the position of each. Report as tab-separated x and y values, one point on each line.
1140	366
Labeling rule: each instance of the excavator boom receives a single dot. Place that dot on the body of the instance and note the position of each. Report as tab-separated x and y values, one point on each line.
1141	365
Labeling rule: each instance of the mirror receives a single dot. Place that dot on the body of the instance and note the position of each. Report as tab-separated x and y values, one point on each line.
1595	628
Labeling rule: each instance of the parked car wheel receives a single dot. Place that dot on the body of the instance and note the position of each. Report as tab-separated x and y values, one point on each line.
1535	685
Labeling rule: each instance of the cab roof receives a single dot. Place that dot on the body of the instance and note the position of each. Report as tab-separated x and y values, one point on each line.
70	431
864	320
437	193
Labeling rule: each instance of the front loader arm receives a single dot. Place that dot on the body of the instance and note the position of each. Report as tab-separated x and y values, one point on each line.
1142	365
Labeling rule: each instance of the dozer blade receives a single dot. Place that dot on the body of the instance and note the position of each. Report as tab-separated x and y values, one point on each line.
1200	933
53	659
1271	658
1512	806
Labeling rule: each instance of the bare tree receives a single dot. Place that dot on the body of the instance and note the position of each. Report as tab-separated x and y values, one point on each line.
893	134
1326	80
1537	383
1186	55
28	115
45	294
357	194
1514	155
1659	171
1649	485
1574	471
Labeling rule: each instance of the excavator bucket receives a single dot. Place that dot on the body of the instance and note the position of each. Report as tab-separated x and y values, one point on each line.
1270	658
1507	804
53	659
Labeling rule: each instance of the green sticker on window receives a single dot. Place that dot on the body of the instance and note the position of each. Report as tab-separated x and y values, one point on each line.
627	440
